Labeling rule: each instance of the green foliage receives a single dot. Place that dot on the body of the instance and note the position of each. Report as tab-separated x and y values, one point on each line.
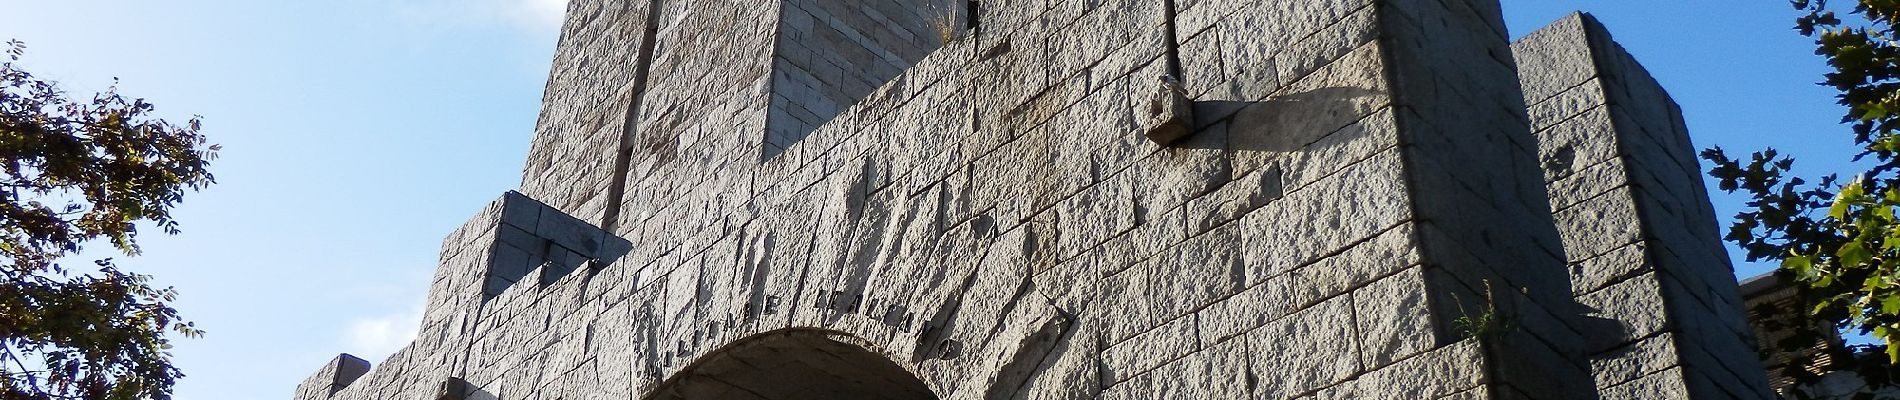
1486	323
72	172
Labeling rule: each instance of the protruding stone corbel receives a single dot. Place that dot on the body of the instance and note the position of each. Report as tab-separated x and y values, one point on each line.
452	388
1170	115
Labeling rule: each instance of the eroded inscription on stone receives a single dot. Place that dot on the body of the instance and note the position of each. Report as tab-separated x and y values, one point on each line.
884	311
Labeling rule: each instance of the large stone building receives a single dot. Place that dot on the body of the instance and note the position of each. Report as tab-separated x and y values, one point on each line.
1775	312
816	199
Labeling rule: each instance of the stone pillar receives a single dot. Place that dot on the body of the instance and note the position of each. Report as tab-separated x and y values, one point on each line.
1405	249
585	108
1638	230
1491	254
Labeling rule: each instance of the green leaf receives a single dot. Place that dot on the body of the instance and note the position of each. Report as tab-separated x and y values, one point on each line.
1852	255
1848	195
1802	266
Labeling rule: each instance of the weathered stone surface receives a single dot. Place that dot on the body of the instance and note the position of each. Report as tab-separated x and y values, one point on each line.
1306	351
1150	349
814	199
1635	360
1216	373
1443	371
1392	316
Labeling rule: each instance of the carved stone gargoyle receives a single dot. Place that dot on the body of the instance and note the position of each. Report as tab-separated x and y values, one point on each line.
1170	115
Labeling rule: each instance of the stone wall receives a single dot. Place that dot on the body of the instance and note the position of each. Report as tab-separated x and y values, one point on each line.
1359	213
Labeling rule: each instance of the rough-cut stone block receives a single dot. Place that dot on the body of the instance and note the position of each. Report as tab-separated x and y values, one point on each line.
1393	320
1150	349
1214	373
1245	311
1599	225
1667	384
1276	237
1635	304
1306	350
1373	259
1443	371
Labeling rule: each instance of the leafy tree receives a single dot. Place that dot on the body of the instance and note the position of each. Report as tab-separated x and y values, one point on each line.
72	172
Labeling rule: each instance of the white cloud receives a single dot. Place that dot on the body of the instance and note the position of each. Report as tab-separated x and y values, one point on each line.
375	338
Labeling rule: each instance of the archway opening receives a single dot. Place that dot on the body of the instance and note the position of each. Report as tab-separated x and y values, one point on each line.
794	365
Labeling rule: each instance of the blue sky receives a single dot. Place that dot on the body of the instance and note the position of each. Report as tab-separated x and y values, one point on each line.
357	133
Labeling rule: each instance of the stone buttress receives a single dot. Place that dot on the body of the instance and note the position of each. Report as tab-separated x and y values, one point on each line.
1639	232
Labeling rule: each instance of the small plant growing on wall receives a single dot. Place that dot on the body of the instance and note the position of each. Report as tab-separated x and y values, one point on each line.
1486	323
943	19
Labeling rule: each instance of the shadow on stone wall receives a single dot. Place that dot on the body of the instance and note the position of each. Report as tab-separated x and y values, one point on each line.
1280	123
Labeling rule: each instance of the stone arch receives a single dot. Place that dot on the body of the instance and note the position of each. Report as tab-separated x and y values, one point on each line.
794	364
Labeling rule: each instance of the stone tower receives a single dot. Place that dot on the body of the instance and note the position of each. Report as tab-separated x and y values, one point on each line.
819	199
